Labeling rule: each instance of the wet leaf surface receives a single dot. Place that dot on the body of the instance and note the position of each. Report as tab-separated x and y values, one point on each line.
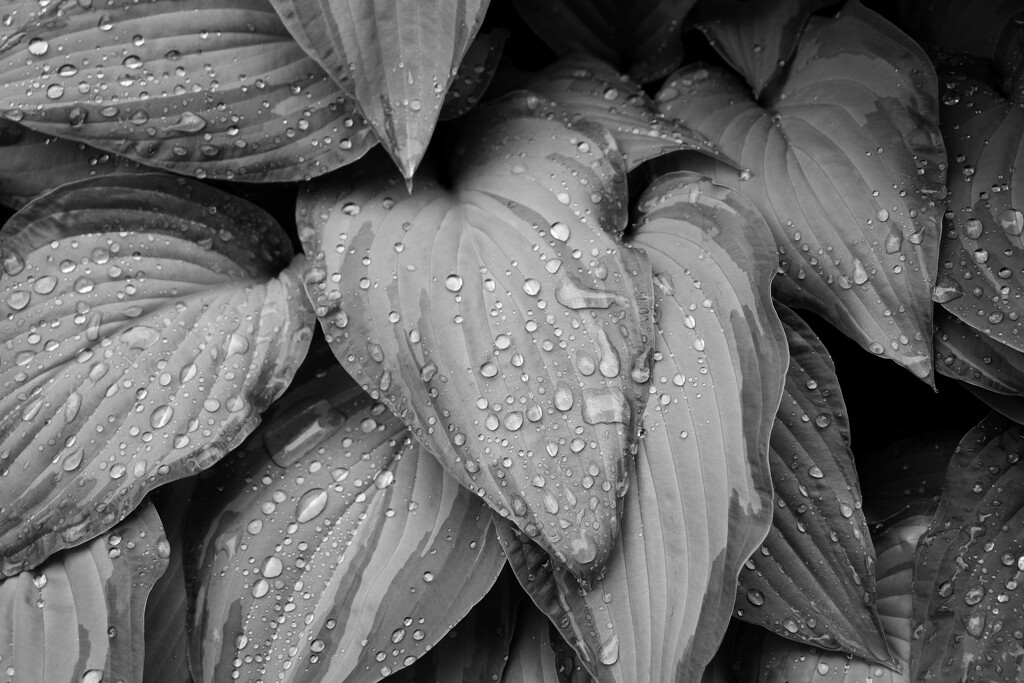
148	320
812	580
701	500
498	318
964	353
474	75
592	89
332	515
32	163
779	661
397	61
844	161
641	39
980	279
967	606
78	617
214	90
538	654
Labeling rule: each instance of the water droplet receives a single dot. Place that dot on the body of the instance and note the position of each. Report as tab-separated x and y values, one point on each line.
384	479
260	588
140	337
1012	222
860	275
93	676
755	597
453	283
605	406
489	369
560	231
531	287
974	595
575	296
272	567
973	228
823	420
609	653
38	47
161	416
815	472
513	421
397	635
310	505
563	397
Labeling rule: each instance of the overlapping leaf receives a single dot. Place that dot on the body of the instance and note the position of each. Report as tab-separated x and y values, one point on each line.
397	61
980	279
474	74
780	660
1011	407
216	90
332	516
971	27
967	606
845	161
32	163
964	353
539	655
497	318
642	39
592	89
812	580
756	38
701	502
78	618
146	323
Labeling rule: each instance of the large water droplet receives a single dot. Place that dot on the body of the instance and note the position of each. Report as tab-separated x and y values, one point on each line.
272	567
310	505
605	406
575	296
563	397
161	416
140	337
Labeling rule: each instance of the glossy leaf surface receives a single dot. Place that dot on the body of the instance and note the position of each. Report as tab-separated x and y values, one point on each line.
498	318
812	580
964	353
474	74
701	502
966	606
78	618
217	90
780	660
147	321
592	89
396	59
980	279
844	160
330	513
641	39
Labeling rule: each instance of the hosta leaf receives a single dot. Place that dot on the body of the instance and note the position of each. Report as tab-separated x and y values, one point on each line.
167	606
846	164
1011	407
382	551
147	322
497	318
701	502
964	353
642	39
970	27
32	163
905	472
756	37
216	90
397	60
980	279
1009	58
812	579
536	655
597	92
478	647
966	608
78	618
781	661
474	74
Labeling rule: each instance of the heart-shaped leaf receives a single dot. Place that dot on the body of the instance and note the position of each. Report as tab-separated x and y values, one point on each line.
216	90
642	39
79	616
971	27
147	322
592	89
32	163
474	74
757	37
980	279
777	660
904	473
966	608
702	497
964	353
846	164
398	60
812	579
333	514
497	318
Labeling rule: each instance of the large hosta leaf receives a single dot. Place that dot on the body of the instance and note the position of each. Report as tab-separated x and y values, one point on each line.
397	60
845	161
497	317
78	618
146	323
32	163
216	90
964	353
967	609
702	497
474	75
782	661
980	279
642	39
812	579
334	517
596	91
